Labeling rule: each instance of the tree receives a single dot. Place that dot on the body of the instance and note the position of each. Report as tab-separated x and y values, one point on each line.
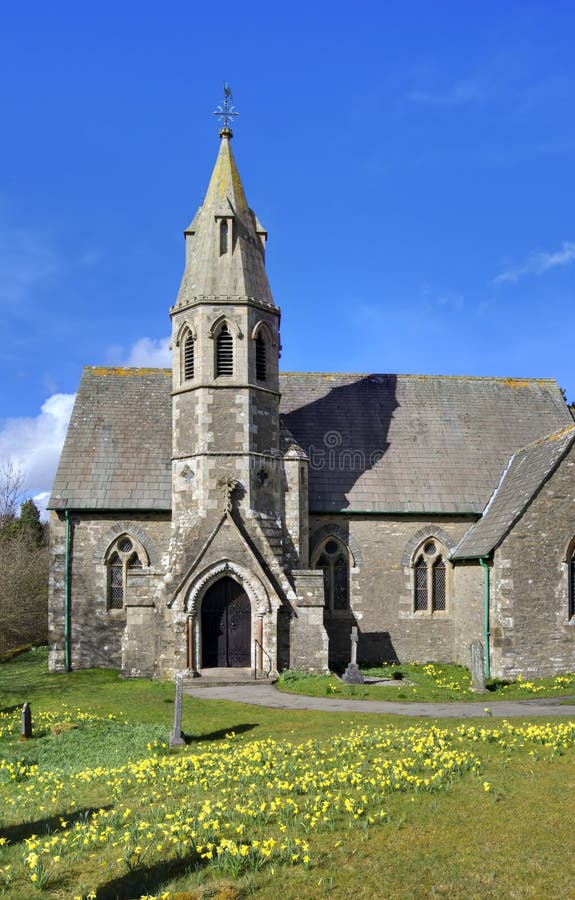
11	484
24	566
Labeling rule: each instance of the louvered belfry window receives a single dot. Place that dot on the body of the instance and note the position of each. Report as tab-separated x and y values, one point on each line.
224	352
261	366
188	358
572	586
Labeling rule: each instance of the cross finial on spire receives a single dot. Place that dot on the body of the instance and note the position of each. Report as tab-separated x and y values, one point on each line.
226	112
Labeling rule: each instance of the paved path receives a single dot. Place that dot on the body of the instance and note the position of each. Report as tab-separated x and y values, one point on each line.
267	695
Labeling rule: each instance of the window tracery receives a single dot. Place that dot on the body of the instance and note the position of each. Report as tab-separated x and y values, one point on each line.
333	557
122	557
430	578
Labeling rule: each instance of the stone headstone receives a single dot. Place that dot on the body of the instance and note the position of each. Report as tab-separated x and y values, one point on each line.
477	666
176	735
26	729
352	675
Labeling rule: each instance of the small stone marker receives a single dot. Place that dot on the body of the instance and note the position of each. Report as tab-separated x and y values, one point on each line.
26	729
477	667
352	675
176	735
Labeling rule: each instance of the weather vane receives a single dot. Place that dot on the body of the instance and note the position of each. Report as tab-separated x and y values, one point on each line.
226	111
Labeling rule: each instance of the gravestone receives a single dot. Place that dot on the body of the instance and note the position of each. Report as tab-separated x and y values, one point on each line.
477	667
352	675
176	735
26	728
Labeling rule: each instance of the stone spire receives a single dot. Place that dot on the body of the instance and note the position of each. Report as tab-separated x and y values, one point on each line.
225	243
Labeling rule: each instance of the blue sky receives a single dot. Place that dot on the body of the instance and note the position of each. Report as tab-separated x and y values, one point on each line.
413	164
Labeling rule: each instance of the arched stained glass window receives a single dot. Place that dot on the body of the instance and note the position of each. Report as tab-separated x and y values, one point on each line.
121	558
115	583
420	585
438	584
333	557
430	578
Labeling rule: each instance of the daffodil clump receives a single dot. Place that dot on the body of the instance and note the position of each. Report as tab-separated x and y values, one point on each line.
443	680
45	722
559	683
235	807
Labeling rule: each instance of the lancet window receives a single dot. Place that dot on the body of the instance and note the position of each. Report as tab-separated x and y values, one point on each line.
430	578
122	558
333	557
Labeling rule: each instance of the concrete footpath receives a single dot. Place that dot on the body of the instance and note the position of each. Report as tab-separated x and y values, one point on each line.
267	695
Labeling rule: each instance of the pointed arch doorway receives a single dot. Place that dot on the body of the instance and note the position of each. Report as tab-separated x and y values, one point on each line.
226	626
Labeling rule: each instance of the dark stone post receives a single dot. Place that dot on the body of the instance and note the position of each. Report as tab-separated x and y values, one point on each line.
477	667
176	735
352	674
26	729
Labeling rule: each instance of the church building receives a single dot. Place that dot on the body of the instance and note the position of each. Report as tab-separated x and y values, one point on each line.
223	514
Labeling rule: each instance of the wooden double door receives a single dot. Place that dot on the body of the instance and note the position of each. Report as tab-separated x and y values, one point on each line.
226	626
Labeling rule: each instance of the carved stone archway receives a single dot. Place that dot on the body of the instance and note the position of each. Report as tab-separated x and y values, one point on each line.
254	589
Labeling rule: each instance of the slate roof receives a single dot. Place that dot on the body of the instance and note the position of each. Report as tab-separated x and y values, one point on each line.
413	443
117	453
376	443
525	473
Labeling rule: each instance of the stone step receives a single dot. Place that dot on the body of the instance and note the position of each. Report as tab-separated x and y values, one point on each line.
223	676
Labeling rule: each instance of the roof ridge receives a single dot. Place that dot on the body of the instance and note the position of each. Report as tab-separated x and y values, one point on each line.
511	382
126	370
552	436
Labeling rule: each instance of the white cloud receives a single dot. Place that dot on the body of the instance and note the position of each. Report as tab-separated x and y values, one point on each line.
147	352
34	443
538	263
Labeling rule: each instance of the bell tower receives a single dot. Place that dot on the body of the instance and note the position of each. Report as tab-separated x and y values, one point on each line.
239	531
225	346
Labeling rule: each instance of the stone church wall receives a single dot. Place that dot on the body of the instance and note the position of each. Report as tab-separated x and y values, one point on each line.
382	592
530	628
95	631
468	608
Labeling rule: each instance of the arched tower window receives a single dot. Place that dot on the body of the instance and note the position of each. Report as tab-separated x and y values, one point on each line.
261	361
188	357
333	557
430	578
224	352
121	558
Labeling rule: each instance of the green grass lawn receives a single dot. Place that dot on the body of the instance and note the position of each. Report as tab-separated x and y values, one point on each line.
426	682
271	803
